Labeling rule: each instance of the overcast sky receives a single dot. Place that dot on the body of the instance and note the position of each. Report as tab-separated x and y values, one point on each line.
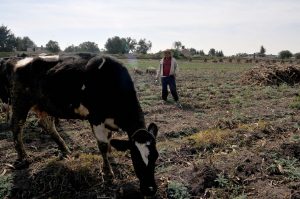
233	26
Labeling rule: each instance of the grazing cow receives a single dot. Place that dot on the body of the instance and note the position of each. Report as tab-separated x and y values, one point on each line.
85	86
151	71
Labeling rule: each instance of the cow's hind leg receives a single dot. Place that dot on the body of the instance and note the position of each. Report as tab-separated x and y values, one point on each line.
102	134
17	122
48	123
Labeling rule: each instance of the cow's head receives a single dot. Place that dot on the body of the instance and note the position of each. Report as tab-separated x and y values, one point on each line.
142	146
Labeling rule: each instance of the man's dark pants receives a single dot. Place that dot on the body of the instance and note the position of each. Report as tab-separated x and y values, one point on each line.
169	80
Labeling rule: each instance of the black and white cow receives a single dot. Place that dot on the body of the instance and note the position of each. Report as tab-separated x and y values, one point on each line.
85	86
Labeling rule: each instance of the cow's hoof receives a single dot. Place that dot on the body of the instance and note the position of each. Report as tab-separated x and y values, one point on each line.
112	160
22	164
108	176
65	155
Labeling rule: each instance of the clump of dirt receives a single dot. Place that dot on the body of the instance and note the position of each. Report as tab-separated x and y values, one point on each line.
182	133
272	75
291	149
226	124
201	179
295	195
248	167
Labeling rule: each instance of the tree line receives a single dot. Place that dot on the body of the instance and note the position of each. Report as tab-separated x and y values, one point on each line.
115	45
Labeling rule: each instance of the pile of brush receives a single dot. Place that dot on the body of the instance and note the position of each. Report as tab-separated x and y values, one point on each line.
273	74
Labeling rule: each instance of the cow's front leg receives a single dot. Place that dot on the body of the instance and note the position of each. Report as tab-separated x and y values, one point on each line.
103	135
48	124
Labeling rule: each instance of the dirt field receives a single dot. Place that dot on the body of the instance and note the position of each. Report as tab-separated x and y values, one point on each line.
229	140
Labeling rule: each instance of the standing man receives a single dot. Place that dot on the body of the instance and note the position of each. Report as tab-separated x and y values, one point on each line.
167	72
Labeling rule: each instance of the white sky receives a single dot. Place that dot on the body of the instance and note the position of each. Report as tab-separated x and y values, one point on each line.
234	26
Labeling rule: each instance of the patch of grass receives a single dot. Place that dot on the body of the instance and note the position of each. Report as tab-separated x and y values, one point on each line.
295	138
236	100
296	103
6	54
243	196
229	186
291	167
210	138
165	168
177	190
253	126
165	147
239	116
270	92
5	185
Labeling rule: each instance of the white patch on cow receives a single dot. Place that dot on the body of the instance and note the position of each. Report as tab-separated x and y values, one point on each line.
82	110
103	61
83	87
111	122
23	62
101	133
144	150
50	57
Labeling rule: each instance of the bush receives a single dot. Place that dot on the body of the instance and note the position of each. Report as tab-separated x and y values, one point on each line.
285	54
297	55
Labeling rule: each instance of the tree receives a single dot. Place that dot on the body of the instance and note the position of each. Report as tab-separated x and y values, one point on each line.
201	53
7	39
262	51
212	52
88	47
116	45
71	49
285	54
23	43
193	51
219	53
52	46
297	55
177	45
131	44
143	46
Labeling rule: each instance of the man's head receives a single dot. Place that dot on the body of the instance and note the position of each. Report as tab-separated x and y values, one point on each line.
167	53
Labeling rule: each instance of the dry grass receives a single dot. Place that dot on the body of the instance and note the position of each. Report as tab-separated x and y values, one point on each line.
211	138
272	74
253	126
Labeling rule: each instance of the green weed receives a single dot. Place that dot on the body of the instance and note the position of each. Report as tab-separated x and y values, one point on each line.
291	167
177	190
5	185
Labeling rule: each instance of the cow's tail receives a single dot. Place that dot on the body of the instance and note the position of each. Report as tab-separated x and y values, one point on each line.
103	61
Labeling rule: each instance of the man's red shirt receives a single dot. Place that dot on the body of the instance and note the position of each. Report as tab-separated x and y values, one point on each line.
167	66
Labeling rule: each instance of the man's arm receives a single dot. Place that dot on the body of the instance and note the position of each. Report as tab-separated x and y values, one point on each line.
158	70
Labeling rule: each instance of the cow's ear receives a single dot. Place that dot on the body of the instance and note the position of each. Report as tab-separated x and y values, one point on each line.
120	145
152	128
